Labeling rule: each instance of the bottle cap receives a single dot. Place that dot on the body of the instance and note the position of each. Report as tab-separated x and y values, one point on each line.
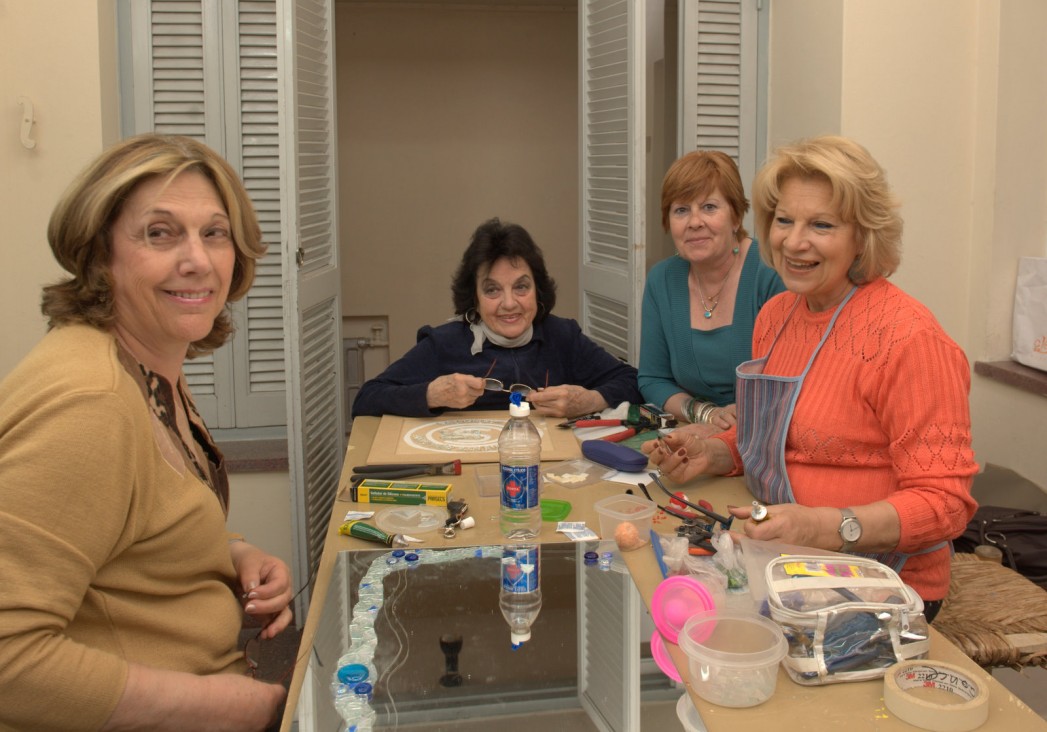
467	523
518	407
519	636
352	673
363	689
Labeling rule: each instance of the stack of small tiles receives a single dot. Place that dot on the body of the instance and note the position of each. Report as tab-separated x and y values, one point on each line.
996	616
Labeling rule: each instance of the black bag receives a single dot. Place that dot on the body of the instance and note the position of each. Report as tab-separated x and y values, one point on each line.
1020	535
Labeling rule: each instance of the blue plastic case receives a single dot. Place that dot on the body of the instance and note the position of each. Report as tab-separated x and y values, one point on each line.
614	456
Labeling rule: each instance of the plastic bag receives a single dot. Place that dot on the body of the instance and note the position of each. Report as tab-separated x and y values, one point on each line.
730	560
1030	313
845	619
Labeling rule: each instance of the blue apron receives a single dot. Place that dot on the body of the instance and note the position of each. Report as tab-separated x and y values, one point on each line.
765	408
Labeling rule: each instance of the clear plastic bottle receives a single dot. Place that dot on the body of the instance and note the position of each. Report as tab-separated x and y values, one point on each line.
519	457
521	594
355	708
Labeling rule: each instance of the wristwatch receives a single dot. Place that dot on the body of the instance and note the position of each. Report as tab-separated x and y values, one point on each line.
850	530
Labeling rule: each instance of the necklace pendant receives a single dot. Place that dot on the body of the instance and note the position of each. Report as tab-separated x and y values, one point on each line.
708	313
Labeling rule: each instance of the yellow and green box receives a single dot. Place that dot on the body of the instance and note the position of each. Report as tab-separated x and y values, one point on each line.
372	490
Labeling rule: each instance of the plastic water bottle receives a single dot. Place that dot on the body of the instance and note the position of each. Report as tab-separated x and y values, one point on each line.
355	708
521	594
519	456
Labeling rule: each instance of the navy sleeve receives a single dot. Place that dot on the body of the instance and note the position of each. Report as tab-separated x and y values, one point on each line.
401	388
596	369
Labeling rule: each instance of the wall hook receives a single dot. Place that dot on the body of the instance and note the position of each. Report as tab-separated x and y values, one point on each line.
27	123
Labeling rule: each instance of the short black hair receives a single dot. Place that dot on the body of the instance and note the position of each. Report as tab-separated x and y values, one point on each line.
492	241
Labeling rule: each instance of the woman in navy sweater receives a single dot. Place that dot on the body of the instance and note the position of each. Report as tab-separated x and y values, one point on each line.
504	335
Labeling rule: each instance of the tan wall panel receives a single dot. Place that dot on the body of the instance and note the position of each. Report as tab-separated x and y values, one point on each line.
447	117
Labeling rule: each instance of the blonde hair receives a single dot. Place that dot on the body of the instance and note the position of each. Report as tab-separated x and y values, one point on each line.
860	193
80	237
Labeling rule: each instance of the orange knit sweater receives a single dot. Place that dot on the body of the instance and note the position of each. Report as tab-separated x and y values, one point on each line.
883	414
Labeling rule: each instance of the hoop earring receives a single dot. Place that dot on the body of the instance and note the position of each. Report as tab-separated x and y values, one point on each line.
474	318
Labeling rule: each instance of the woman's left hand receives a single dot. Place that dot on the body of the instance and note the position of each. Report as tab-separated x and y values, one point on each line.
791	523
266	584
567	400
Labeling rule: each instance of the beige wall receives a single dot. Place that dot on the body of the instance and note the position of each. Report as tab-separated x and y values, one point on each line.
75	104
447	117
950	96
260	509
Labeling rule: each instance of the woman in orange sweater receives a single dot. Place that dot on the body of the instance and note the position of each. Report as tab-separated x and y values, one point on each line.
853	420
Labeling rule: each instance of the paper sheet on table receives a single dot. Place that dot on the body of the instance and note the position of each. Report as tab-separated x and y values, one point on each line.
629	478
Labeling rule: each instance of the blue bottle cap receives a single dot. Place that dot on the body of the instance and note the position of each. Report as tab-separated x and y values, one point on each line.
363	689
352	673
412	557
590	557
398	553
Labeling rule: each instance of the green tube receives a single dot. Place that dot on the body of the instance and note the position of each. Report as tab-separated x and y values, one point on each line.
365	531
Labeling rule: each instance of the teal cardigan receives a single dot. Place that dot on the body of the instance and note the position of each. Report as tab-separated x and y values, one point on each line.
673	356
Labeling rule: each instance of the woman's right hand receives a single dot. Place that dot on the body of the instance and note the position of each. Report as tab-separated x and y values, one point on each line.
454	391
682	456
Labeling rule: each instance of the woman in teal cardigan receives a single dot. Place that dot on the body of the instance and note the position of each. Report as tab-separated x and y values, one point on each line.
699	305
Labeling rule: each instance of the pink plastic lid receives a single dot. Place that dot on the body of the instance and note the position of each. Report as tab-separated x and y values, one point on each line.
675	600
661	657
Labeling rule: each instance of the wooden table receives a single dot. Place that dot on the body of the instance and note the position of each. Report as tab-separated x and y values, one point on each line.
851	706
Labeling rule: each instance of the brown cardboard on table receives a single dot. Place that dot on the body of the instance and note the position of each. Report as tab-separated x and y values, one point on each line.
471	437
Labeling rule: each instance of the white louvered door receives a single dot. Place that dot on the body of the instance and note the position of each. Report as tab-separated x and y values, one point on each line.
260	383
613	150
305	53
207	69
720	105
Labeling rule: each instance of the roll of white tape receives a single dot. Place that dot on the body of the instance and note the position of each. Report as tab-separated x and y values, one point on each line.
969	712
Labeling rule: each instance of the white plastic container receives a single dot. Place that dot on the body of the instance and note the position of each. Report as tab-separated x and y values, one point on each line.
689	717
733	656
625	508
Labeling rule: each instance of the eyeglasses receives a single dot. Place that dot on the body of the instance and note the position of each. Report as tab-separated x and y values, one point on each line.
252	653
497	385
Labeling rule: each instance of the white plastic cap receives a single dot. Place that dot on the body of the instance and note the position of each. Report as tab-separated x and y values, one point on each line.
467	523
520	636
521	410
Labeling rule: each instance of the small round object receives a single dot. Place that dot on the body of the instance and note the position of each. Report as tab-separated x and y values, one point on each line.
676	599
591	557
759	512
627	536
353	673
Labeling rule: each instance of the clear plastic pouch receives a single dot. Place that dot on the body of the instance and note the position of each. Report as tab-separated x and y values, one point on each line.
845	618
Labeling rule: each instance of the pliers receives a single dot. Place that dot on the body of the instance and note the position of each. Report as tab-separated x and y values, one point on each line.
404	470
631	428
